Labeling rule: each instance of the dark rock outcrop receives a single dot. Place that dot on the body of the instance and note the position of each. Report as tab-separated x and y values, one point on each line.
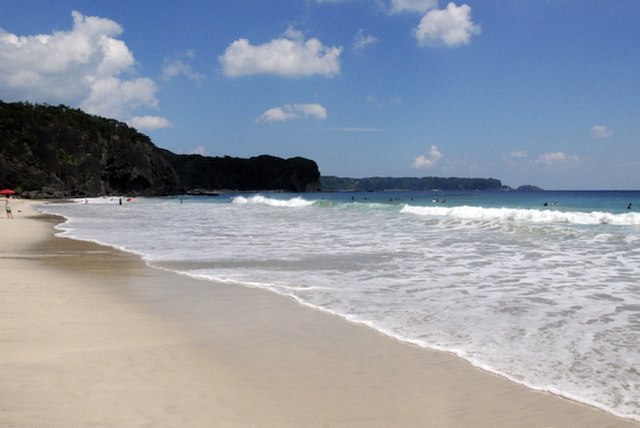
529	188
257	173
56	151
59	152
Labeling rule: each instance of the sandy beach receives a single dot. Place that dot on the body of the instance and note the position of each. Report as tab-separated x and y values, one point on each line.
92	337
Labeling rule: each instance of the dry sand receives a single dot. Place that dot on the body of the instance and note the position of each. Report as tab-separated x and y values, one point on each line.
92	337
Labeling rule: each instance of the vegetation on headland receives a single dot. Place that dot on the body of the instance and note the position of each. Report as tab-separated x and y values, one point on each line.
57	151
200	174
330	183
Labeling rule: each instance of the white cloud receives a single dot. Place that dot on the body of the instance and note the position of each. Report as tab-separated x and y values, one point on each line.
288	56
312	110
277	114
555	158
200	150
425	162
602	132
113	97
149	122
293	112
519	154
516	157
449	27
81	67
416	6
363	41
175	67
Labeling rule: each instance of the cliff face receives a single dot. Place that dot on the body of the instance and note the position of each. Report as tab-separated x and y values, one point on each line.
56	151
48	151
258	173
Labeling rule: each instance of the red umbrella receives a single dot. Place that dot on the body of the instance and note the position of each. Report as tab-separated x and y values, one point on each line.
7	192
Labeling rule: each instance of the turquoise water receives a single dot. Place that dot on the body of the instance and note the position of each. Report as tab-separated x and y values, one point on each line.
545	295
584	201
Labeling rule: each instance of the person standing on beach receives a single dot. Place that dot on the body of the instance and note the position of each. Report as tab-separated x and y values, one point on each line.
7	207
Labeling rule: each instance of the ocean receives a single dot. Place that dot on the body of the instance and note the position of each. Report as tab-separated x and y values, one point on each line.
542	288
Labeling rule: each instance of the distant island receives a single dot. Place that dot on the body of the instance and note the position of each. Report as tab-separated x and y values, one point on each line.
60	152
370	184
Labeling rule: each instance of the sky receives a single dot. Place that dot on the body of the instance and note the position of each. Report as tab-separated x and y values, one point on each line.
540	92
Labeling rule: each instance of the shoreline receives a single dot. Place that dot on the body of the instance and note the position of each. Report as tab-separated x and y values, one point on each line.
92	335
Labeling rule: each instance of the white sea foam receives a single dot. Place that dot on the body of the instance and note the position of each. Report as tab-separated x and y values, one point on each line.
526	215
264	200
105	200
547	298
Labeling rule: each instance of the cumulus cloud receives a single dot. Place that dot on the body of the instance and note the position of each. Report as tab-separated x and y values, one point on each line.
81	67
116	98
415	6
446	27
516	157
555	158
429	161
293	112
287	56
602	132
149	122
362	41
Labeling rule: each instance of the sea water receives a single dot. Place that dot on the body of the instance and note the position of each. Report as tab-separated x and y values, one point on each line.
540	287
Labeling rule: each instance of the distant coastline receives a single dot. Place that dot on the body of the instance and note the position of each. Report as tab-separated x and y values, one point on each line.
368	184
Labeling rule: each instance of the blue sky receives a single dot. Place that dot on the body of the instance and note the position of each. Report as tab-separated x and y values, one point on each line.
543	92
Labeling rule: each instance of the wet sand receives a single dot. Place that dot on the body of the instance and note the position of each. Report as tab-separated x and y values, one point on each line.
90	336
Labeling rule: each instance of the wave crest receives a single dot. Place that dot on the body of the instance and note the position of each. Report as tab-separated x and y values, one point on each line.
296	202
526	215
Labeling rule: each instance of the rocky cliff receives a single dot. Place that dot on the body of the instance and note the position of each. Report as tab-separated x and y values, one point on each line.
257	173
55	151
